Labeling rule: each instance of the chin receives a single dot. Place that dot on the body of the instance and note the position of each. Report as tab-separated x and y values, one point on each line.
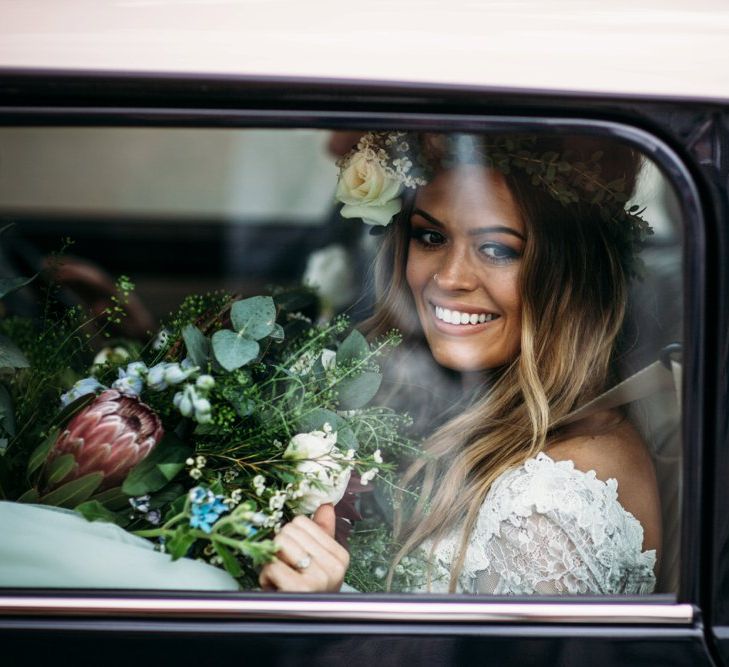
466	359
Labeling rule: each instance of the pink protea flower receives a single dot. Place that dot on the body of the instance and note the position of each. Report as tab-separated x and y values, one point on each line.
111	435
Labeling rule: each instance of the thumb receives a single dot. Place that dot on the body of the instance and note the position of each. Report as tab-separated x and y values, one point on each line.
325	518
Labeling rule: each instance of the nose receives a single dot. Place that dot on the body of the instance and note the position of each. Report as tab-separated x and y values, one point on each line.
456	272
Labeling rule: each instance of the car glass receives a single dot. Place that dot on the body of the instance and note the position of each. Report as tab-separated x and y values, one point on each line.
338	360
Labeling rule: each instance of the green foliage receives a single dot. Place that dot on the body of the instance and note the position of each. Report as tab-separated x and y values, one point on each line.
59	469
233	350
10	354
254	317
272	374
74	492
372	553
160	467
94	510
198	347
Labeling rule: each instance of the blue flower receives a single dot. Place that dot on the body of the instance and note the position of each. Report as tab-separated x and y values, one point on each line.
206	508
198	494
131	379
81	388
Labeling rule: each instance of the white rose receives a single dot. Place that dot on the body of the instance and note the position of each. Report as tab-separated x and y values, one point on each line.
367	192
320	464
314	445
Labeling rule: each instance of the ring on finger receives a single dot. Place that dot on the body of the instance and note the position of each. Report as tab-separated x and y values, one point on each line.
303	562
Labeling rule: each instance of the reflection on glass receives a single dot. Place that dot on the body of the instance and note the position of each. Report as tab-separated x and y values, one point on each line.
218	379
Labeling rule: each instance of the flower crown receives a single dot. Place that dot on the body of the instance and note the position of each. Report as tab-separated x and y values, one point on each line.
375	173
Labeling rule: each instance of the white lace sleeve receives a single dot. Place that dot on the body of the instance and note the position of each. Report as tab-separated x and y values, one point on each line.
547	528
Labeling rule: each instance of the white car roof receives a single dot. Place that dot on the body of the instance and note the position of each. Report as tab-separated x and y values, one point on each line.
635	47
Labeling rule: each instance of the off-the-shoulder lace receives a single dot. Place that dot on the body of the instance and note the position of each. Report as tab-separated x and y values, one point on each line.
548	528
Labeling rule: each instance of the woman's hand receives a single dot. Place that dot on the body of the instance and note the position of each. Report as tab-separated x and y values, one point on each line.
308	559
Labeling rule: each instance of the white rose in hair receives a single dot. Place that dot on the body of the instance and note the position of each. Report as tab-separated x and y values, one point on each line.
368	192
322	466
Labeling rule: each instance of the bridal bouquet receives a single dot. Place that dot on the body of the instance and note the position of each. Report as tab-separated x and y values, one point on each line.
236	416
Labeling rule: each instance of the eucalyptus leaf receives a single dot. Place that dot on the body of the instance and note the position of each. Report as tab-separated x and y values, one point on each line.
74	492
230	562
39	455
7	414
8	285
254	317
59	468
352	348
233	350
198	346
355	392
11	355
152	473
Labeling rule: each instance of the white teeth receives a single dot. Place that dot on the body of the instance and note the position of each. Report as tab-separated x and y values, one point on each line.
458	318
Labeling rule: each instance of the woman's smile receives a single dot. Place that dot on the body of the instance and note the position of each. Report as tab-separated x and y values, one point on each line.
462	320
467	241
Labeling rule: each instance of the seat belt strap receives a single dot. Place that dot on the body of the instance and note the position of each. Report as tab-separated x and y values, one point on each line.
642	384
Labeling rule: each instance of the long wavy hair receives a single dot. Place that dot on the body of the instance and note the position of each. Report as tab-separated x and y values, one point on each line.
573	285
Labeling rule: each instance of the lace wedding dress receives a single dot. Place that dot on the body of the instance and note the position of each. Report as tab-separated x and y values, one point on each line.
548	528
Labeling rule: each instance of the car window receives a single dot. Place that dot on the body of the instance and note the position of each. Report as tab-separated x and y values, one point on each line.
318	360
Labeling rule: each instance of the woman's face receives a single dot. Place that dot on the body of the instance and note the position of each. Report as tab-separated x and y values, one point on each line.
466	246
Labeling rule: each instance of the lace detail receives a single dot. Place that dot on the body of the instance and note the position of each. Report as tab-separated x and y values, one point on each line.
548	528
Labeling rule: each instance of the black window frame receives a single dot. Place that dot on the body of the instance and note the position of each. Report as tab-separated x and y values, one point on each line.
101	99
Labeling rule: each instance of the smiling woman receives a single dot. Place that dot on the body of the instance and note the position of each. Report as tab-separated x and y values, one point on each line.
509	260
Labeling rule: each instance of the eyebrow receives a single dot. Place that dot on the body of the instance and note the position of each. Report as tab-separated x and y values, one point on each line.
472	232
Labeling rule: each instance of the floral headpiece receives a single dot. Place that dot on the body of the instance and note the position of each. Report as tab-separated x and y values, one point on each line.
375	173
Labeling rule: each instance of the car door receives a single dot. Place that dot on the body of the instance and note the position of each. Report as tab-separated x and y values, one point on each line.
679	626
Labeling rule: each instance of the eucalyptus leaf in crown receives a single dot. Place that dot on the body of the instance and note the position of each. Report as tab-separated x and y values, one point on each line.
238	415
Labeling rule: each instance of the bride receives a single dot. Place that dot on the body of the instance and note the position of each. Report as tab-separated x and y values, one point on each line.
508	259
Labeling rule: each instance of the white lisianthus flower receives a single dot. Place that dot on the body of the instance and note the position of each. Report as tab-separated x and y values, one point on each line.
329	271
322	465
368	192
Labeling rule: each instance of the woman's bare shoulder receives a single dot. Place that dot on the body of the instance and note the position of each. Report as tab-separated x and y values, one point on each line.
618	452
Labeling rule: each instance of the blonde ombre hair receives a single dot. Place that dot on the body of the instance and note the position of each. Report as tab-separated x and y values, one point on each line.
573	285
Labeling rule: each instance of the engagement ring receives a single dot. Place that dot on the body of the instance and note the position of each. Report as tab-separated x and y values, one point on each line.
303	563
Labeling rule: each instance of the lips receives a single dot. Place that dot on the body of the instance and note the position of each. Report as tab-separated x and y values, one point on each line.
462	317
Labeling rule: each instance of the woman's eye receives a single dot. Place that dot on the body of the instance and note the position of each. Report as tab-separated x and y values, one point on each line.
428	237
498	252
